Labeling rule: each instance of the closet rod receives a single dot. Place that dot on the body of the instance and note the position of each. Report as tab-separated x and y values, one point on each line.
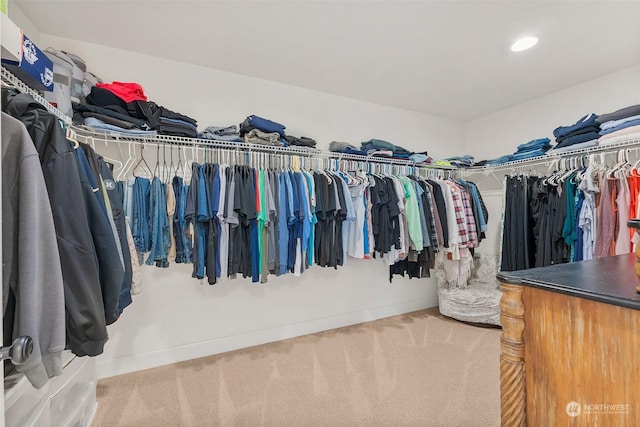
90	135
11	80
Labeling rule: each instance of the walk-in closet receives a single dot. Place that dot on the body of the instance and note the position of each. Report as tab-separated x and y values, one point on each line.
320	213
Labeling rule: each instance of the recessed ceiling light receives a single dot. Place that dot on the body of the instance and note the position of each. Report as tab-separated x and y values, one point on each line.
524	43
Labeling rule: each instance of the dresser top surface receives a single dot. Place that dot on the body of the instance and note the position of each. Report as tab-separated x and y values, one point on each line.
611	280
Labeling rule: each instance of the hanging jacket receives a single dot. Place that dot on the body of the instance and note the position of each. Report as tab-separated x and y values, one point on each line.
84	311
30	273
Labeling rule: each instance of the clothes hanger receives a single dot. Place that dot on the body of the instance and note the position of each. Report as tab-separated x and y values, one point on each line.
71	137
127	164
142	163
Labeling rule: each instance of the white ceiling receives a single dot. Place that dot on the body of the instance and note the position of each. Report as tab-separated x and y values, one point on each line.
446	58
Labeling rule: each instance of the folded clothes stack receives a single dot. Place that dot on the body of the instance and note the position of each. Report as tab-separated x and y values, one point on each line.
533	148
620	125
125	106
302	141
461	161
421	158
221	133
497	161
582	134
256	136
378	147
177	127
345	148
264	125
113	115
96	123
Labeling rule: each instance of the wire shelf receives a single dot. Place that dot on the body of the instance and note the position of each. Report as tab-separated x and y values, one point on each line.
93	135
10	79
622	143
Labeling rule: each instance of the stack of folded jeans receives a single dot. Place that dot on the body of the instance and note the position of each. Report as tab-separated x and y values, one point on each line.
497	161
619	125
302	141
96	123
346	148
534	148
264	125
461	161
378	147
176	124
177	127
228	133
113	115
582	134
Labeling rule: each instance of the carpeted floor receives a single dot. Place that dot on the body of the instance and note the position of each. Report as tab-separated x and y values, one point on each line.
417	369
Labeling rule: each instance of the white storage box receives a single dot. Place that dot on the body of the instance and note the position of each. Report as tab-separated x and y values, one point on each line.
60	97
77	77
74	393
24	405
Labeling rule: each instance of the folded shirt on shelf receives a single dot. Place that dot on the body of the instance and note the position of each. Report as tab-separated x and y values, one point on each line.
262	124
534	144
586	121
165	112
380	153
112	111
379	144
581	131
622	113
578	146
177	127
302	141
614	123
420	158
128	92
228	133
624	125
576	139
338	146
529	154
461	161
96	123
499	160
110	120
256	136
621	135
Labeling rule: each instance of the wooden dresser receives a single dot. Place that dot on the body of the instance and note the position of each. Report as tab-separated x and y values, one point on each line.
570	347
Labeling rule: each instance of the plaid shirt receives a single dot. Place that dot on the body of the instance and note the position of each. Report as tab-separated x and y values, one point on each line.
435	244
470	219
459	210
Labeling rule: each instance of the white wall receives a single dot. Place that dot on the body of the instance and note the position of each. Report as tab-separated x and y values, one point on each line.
177	318
22	21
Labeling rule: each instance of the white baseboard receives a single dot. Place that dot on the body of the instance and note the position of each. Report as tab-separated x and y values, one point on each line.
137	362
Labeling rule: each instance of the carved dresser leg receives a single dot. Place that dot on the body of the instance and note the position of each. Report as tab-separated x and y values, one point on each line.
512	374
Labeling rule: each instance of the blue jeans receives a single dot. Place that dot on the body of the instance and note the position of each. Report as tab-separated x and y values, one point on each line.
140	221
159	219
184	252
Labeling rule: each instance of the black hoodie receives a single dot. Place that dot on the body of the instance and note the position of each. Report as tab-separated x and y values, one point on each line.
71	204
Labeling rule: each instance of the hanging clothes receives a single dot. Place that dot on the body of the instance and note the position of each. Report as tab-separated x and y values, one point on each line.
88	290
29	257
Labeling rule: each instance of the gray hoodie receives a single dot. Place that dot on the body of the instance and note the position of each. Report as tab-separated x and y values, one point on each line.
31	262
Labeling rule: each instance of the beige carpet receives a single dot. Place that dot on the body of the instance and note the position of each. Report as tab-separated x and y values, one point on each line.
417	369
